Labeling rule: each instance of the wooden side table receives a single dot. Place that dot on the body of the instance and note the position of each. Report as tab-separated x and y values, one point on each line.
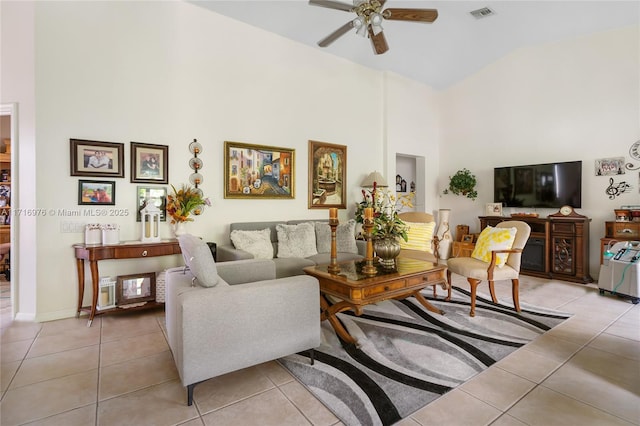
461	249
125	250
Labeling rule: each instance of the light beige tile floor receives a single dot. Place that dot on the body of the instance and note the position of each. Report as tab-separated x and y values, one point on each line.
121	372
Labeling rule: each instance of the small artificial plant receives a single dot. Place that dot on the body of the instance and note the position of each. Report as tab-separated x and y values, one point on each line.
463	183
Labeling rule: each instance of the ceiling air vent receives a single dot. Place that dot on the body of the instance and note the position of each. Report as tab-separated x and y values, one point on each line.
482	13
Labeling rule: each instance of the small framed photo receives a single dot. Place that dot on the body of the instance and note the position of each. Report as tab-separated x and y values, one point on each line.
152	194
96	192
135	288
467	238
610	166
149	163
493	209
93	158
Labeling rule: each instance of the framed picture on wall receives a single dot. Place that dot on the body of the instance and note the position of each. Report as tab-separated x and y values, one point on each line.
258	171
152	194
149	163
327	175
609	166
98	159
96	192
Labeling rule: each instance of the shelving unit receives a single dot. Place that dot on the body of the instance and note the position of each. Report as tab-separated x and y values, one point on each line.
5	193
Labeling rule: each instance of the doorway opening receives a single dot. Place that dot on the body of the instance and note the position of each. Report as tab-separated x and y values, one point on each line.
8	140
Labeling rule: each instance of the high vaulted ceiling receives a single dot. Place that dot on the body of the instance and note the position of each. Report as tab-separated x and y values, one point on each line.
440	54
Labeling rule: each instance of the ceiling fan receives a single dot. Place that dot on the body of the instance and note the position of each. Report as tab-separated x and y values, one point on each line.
369	20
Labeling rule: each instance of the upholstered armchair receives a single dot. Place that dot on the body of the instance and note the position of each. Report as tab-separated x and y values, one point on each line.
420	245
495	258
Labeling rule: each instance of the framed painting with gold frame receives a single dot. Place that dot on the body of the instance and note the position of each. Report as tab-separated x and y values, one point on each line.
258	171
327	175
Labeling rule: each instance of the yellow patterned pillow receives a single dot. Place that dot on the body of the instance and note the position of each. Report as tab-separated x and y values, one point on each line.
494	239
420	236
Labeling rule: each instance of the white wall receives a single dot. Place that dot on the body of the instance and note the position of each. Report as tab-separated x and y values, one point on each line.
17	86
413	128
168	72
571	100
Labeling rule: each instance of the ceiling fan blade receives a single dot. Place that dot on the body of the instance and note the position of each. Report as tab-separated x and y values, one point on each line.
378	42
420	15
336	34
332	4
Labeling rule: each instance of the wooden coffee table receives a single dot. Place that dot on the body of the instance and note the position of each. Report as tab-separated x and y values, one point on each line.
356	290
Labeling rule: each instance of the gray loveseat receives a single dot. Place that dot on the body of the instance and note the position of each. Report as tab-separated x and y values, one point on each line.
247	317
288	261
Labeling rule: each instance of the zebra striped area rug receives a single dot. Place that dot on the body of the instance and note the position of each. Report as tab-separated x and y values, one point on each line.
407	356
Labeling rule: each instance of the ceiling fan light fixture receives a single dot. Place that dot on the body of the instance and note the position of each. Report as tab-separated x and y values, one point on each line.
375	19
361	26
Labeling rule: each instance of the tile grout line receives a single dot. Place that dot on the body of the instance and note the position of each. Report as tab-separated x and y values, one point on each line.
24	357
560	366
99	375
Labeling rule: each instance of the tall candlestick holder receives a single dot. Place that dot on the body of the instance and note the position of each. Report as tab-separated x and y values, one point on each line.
333	267
367	227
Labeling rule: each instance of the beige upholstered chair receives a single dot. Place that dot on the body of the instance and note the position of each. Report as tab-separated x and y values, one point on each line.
419	217
477	271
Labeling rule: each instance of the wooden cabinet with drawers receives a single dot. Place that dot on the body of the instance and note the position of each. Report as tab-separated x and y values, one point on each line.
618	231
558	247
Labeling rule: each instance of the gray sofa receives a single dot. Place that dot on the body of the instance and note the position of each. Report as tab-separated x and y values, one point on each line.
348	247
246	318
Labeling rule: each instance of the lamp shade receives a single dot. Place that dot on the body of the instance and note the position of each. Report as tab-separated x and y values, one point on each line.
374	177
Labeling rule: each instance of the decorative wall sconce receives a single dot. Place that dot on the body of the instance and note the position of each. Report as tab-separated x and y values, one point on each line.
150	220
196	164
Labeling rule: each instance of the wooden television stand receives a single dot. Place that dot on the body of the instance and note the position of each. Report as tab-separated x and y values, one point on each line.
558	247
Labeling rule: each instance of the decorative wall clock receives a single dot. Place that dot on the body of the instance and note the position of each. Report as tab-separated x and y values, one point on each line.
634	153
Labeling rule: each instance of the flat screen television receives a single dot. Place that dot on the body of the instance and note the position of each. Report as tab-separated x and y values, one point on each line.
550	185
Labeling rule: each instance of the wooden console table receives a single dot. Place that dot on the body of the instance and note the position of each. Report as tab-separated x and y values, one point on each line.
125	250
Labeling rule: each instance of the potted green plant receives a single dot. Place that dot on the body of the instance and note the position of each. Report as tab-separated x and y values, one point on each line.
463	183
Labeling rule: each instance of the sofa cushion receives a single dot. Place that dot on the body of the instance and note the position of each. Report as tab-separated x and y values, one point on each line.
199	259
420	236
258	243
345	237
296	240
494	239
290	266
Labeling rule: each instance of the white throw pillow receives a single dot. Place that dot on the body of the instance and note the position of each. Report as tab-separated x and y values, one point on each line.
198	257
345	237
296	240
258	243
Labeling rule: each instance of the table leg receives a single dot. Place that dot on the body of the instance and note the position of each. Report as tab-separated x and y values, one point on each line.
420	298
95	281
329	313
80	266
